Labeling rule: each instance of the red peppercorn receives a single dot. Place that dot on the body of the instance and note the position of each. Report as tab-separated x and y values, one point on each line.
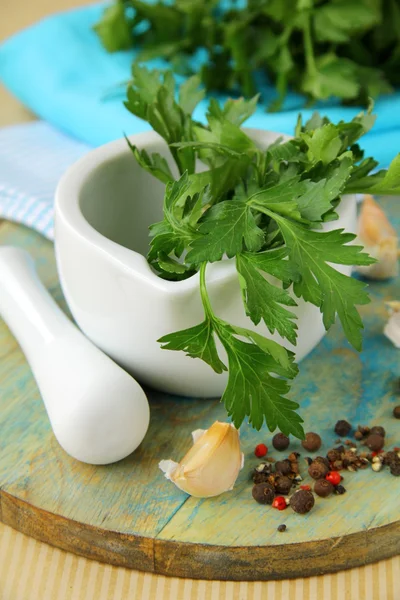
279	503
305	487
261	450
333	477
396	449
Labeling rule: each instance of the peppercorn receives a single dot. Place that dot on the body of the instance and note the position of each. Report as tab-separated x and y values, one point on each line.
260	450
282	527
302	501
312	443
333	477
323	488
396	412
260	477
323	460
342	428
283	484
263	493
395	469
279	503
339	489
375	442
378	430
390	457
283	467
317	470
280	441
334	455
363	430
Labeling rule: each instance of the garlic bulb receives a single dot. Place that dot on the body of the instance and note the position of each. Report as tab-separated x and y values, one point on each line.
392	327
212	464
379	239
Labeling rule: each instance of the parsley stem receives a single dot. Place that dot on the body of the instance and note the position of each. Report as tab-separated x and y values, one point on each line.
308	47
203	291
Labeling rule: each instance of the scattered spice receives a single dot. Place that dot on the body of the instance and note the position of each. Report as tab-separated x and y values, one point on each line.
284	467
279	503
377	466
308	460
305	487
395	469
302	501
342	428
261	473
375	441
263	493
260	450
317	469
339	489
312	442
378	430
334	455
396	412
283	484
282	527
363	430
292	458
358	435
280	441
323	488
333	477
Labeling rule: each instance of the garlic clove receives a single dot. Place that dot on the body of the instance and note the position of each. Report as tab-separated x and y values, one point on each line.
379	239
212	464
392	327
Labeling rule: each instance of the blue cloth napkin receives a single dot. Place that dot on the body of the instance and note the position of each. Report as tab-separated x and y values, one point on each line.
59	69
33	157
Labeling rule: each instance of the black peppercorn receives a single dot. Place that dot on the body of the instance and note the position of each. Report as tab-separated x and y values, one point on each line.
375	442
282	527
342	428
378	430
323	460
280	441
396	412
283	467
283	484
317	470
312	443
390	457
263	493
333	455
302	501
339	489
323	488
395	468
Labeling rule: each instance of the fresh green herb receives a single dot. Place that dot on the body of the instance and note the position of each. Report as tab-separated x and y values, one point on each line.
264	209
344	48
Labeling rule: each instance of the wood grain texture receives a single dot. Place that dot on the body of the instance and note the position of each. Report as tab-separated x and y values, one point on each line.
128	514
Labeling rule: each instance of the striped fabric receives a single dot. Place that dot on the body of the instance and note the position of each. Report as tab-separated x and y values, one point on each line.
33	157
30	570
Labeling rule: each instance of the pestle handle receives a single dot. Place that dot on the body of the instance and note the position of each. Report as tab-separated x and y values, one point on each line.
99	413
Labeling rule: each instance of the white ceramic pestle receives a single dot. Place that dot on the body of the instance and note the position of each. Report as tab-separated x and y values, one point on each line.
99	413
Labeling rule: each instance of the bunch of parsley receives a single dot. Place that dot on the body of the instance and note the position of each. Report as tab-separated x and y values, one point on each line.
344	48
265	210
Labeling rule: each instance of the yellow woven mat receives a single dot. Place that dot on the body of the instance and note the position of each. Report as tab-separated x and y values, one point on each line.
30	570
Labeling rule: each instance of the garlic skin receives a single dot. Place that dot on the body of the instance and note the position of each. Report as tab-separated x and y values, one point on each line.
392	327
212	464
379	239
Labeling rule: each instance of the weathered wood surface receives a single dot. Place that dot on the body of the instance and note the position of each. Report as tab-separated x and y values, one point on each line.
128	514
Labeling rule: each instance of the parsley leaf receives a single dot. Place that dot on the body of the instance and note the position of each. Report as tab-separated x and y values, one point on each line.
227	228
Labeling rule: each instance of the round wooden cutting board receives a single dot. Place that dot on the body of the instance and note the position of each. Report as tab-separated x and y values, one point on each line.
128	514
